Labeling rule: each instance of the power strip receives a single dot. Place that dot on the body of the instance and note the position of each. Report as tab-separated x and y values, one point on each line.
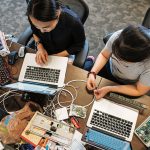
126	101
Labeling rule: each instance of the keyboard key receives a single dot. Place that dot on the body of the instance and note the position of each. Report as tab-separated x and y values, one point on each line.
102	140
42	74
111	123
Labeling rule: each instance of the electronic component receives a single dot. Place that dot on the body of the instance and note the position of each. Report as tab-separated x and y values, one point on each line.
143	132
3	46
77	110
4	72
126	101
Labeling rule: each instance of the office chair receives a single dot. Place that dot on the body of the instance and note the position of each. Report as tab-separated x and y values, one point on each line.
82	10
145	23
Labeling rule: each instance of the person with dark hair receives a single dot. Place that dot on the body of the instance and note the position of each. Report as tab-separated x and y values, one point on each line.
56	29
125	59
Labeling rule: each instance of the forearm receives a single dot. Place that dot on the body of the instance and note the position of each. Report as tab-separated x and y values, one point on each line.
36	38
100	62
131	90
63	54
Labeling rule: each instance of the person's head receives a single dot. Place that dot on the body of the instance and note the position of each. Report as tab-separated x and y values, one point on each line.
133	44
43	14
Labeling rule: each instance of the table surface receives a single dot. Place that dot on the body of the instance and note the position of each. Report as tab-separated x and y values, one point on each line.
83	98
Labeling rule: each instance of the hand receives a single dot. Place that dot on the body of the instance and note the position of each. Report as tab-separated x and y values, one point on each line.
99	93
41	56
91	82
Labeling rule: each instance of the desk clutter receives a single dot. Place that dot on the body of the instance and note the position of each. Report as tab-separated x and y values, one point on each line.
8	59
50	138
13	125
30	126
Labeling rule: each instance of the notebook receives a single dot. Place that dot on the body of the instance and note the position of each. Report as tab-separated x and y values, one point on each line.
110	125
45	79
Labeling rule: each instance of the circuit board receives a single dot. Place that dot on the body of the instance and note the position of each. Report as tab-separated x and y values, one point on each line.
143	132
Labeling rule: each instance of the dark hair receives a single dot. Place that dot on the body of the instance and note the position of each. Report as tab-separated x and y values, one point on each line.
43	10
133	44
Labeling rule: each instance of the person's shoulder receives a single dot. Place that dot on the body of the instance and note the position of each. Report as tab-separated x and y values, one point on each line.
69	17
113	37
146	63
116	34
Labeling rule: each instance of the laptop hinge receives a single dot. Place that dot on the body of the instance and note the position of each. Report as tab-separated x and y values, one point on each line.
42	84
108	133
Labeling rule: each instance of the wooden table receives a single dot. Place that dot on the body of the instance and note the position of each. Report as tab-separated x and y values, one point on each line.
83	98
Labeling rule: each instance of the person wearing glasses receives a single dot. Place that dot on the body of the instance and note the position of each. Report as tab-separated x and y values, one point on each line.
56	31
125	59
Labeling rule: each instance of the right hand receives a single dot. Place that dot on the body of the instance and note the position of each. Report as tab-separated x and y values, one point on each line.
41	56
91	82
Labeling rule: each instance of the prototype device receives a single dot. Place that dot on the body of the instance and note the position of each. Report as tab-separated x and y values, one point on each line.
143	132
4	50
126	101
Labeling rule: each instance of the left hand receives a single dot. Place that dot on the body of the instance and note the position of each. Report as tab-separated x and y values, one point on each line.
99	93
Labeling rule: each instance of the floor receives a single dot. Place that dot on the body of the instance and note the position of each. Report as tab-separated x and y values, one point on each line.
105	16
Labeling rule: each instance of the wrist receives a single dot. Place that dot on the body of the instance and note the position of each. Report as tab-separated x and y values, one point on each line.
91	73
40	47
38	44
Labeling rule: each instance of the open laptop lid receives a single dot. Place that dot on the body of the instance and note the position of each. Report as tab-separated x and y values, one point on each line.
27	87
54	62
117	110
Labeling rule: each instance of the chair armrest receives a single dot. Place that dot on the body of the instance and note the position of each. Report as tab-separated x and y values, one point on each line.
25	37
106	38
81	56
146	20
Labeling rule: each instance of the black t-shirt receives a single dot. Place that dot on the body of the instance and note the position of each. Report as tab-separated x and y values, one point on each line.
68	35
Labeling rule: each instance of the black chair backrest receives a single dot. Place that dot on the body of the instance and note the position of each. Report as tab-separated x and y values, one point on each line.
78	6
146	20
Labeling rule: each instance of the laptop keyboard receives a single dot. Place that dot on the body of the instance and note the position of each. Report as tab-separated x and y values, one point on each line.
106	142
111	123
42	74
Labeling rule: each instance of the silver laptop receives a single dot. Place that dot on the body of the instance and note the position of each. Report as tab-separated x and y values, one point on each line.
110	126
113	119
45	79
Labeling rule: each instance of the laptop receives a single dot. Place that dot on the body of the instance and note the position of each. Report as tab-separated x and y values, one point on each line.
45	79
110	125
